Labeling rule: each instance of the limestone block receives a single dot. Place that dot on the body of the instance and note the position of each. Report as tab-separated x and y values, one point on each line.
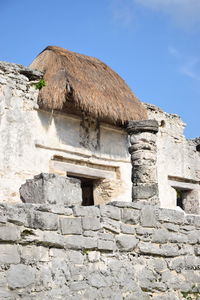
20	276
127	229
83	211
171	227
16	215
160	236
169	250
61	210
79	242
126	242
193	219
192	263
186	250
7	295
177	264
42	220
130	216
158	264
106	236
144	234
197	250
90	233
9	233
172	216
148	280
74	242
97	280
110	212
177	238
75	257
149	248
148	217
106	245
52	239
111	225
9	254
71	225
91	223
93	256
32	253
144	191
52	189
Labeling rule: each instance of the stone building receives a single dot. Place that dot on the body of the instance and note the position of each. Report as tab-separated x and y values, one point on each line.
74	126
74	122
70	118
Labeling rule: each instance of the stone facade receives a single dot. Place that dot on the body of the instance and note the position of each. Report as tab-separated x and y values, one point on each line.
117	251
178	162
34	141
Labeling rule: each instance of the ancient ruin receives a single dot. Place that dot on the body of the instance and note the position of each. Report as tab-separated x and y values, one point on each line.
100	194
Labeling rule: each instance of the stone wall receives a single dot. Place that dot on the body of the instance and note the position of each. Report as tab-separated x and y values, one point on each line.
118	251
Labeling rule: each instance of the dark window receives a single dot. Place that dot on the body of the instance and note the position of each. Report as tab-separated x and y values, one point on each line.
87	186
179	198
182	197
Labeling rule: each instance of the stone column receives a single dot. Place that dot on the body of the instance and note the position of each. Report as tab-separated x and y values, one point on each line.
143	152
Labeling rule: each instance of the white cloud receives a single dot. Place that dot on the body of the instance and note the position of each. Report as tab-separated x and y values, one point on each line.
185	13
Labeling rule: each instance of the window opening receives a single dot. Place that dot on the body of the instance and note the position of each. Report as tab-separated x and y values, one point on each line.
87	186
181	197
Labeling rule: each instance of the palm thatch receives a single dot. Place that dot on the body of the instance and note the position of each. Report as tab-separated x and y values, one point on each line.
87	84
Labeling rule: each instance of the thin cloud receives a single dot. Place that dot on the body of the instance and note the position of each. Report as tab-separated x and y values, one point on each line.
188	65
186	13
122	11
174	52
190	69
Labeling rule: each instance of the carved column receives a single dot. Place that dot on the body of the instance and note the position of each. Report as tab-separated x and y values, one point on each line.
143	152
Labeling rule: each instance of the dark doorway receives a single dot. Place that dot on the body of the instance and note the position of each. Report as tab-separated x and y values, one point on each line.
87	186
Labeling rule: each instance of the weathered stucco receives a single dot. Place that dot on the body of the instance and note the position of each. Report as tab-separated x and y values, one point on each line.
35	141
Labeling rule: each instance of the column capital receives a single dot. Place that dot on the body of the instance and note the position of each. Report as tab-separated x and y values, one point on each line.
142	126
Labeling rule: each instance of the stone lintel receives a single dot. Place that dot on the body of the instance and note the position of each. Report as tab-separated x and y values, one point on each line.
142	126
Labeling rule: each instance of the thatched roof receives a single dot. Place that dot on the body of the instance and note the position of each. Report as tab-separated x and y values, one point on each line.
87	84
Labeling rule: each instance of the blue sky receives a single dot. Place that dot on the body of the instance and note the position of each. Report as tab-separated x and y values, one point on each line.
153	44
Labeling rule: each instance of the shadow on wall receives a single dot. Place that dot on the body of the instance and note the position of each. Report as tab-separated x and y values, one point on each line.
86	133
45	118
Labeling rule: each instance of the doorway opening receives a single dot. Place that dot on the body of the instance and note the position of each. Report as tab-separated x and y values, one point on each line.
87	186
